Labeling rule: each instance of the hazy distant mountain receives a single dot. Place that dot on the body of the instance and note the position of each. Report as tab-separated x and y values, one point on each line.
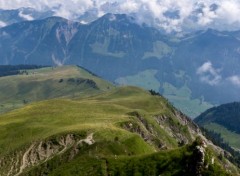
8	17
227	115
193	72
223	120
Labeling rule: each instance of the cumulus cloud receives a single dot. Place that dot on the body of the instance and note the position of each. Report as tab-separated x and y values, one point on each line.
25	16
65	8
130	6
72	8
235	80
229	11
2	24
170	15
208	74
207	16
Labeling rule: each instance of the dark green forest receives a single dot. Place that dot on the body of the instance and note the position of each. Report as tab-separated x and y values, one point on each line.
7	70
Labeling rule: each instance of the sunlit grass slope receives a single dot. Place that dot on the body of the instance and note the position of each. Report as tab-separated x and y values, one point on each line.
67	121
125	128
104	112
47	83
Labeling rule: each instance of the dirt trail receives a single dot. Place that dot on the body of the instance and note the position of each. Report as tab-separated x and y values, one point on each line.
25	160
44	151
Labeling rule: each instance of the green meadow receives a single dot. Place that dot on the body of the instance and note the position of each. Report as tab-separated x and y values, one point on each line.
115	130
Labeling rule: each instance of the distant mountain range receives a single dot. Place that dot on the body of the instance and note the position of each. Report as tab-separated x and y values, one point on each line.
8	17
194	72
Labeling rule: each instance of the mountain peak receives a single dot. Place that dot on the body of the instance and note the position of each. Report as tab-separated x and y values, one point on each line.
116	18
55	19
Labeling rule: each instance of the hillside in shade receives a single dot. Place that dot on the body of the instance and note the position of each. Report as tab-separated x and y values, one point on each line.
224	120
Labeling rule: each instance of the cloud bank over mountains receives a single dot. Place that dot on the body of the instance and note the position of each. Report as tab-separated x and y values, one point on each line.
170	15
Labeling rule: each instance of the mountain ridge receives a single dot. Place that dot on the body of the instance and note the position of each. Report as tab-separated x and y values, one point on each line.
226	115
109	130
220	124
223	120
121	51
46	83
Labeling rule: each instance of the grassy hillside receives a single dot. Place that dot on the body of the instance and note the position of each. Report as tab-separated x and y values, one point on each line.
221	125
70	122
46	83
106	134
224	120
111	110
180	97
175	163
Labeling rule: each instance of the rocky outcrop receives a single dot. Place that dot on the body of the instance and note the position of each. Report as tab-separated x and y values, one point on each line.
181	128
40	152
191	125
177	126
144	129
199	155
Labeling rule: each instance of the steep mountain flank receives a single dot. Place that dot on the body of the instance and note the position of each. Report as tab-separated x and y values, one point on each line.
223	120
221	125
110	133
227	115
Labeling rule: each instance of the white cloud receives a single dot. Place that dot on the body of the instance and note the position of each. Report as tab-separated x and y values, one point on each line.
208	74
73	8
229	11
206	67
235	80
2	24
25	16
130	6
207	16
191	14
